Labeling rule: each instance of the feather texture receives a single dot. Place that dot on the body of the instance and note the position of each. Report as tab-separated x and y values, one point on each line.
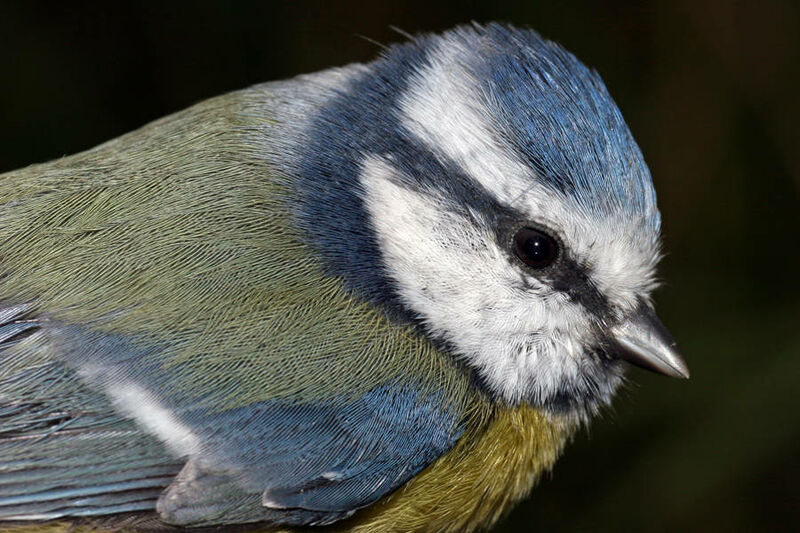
299	304
223	340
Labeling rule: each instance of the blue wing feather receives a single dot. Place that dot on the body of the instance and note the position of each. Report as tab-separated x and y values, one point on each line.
65	451
331	457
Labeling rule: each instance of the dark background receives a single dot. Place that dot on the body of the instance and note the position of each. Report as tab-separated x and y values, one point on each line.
710	90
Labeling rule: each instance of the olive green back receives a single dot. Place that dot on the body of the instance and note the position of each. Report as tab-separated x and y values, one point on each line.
179	235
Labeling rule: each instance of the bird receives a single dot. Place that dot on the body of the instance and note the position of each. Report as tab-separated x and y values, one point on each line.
379	297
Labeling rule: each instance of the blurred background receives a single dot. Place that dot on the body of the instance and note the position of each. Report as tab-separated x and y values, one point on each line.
710	90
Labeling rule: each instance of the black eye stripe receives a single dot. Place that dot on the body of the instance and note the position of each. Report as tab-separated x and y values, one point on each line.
574	280
550	261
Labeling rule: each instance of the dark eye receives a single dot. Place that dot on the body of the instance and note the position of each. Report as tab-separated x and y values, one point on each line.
534	248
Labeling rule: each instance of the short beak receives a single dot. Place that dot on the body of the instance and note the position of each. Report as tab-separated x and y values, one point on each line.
642	340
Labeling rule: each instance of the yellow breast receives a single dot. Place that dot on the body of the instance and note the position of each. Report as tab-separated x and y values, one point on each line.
477	482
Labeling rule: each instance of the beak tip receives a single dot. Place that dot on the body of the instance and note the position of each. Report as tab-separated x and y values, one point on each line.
682	373
681	370
677	365
651	355
642	340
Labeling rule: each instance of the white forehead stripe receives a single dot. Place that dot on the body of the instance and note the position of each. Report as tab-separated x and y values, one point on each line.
444	109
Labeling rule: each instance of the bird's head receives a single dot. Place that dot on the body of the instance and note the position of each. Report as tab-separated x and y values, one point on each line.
483	185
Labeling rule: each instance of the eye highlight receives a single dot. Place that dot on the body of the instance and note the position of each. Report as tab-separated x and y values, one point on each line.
535	248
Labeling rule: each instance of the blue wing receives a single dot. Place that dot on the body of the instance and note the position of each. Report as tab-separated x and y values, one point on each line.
66	452
63	449
308	463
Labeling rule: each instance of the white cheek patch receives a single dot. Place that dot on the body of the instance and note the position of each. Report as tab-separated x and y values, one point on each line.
435	254
467	291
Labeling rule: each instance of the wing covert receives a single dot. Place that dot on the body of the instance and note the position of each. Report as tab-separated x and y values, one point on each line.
309	463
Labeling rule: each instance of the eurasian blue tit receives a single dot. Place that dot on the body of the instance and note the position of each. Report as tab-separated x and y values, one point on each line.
380	297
